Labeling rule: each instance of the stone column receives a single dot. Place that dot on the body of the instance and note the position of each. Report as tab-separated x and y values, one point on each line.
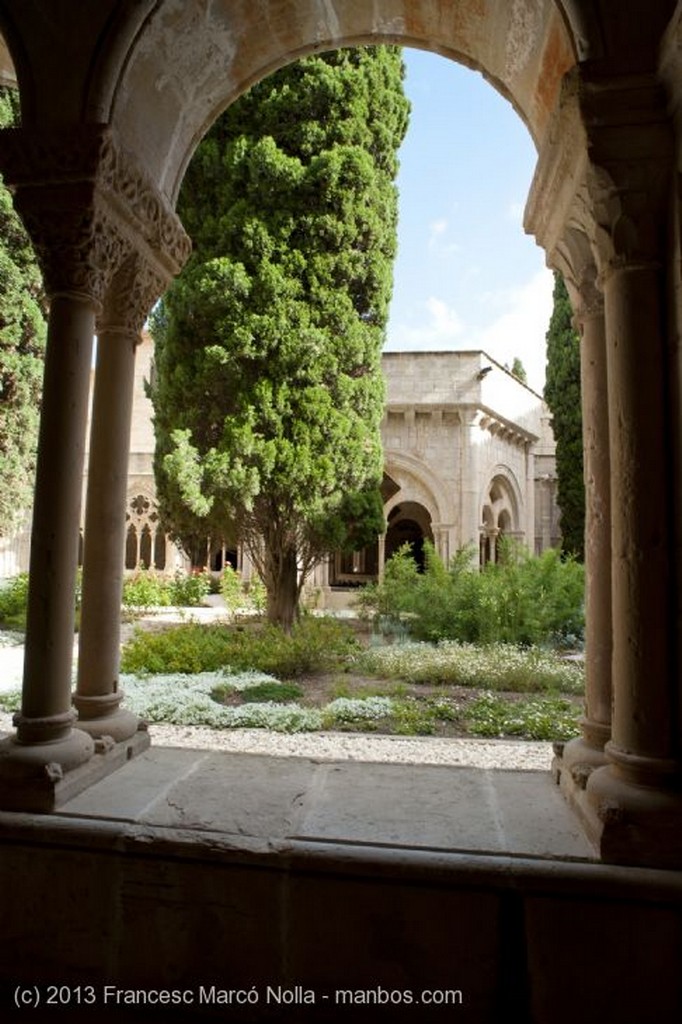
44	725
530	498
87	207
582	755
470	508
634	804
133	291
382	555
79	246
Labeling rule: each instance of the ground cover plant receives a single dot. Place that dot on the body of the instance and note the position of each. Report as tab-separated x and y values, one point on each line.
326	675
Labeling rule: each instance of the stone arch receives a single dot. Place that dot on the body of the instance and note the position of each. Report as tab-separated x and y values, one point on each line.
183	66
501	506
417	482
410	523
118	94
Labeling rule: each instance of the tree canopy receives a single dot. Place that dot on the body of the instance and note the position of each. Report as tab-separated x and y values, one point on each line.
562	394
22	343
268	393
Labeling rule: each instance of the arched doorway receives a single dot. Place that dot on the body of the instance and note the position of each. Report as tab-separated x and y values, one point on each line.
409	523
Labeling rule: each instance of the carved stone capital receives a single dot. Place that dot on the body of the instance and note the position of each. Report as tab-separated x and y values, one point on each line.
631	162
88	206
604	171
133	290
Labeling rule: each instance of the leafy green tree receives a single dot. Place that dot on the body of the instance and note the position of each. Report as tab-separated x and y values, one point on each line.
562	394
519	370
22	343
268	393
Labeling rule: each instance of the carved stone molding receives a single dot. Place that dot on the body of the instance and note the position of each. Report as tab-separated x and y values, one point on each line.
87	206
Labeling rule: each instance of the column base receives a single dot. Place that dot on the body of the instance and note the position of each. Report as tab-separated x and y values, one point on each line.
38	778
575	760
101	716
628	824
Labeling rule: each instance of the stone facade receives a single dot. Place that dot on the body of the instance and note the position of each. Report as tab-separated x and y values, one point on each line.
469	456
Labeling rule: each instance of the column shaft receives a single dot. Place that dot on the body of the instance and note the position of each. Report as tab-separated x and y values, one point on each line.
644	706
46	699
98	696
597	722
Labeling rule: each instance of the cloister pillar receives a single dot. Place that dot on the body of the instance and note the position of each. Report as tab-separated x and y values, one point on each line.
87	207
78	247
98	697
580	756
634	804
596	724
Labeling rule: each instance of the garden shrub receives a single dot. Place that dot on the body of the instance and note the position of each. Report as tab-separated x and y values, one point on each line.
188	589
539	719
145	588
14	601
523	599
239	595
493	666
314	645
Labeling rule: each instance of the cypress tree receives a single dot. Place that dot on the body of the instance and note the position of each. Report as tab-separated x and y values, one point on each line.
22	344
562	394
268	394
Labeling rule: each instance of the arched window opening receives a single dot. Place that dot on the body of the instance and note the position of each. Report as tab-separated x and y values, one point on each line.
131	548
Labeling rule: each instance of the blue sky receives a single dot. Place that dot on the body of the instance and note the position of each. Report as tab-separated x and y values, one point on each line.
466	276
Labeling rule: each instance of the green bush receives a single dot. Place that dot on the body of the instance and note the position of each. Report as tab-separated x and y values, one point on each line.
491	666
521	600
188	590
314	645
237	594
232	588
145	589
14	601
267	692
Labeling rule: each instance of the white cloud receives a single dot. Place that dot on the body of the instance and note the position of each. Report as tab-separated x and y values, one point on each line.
517	324
515	212
439	330
437	231
520	328
437	227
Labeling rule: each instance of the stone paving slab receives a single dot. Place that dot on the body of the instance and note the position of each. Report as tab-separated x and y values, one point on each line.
417	806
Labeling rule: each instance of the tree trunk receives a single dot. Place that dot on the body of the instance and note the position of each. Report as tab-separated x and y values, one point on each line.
281	583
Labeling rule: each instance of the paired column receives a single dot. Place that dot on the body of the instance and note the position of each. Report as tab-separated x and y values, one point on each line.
644	748
94	212
634	803
98	696
580	756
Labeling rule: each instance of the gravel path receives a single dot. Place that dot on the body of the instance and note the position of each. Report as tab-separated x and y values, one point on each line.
336	746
